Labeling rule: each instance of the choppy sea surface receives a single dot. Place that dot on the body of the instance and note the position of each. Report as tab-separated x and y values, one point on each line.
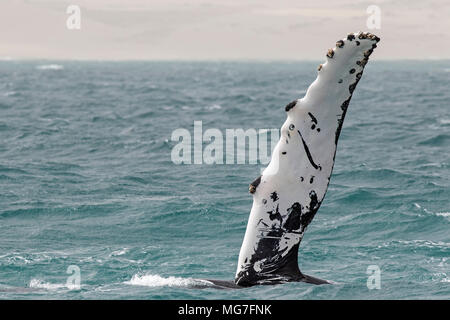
87	180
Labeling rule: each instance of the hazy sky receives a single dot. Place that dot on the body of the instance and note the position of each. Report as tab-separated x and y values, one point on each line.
218	29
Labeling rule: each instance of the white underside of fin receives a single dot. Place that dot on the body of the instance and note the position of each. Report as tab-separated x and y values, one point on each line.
296	180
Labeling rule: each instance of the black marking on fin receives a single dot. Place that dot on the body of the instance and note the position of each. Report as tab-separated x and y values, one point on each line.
290	105
313	119
307	152
274	196
275	214
292	223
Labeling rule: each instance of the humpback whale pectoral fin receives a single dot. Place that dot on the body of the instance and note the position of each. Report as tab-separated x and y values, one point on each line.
252	187
314	280
293	194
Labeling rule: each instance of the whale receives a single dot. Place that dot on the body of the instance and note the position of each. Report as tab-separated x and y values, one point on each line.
291	189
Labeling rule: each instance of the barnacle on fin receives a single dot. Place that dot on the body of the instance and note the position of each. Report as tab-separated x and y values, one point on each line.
368	53
252	187
330	53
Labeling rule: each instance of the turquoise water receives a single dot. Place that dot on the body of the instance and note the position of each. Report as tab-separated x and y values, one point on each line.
86	179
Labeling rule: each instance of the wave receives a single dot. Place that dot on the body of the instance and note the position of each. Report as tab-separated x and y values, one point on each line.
440	214
440	140
119	252
10	94
415	244
50	67
154	280
214	107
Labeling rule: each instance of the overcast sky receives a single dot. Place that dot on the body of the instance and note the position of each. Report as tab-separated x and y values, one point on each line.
218	29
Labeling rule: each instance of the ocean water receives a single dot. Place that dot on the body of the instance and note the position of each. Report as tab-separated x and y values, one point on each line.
87	180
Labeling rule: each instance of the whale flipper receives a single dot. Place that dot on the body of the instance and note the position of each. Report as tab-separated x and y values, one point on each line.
292	187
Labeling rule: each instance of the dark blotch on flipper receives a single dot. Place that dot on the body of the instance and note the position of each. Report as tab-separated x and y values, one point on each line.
264	201
275	214
313	119
351	88
368	53
363	62
292	223
352	71
290	105
344	105
313	126
339	43
301	179
358	43
319	67
274	196
311	180
284	152
252	187
338	131
359	75
318	129
307	216
350	37
340	81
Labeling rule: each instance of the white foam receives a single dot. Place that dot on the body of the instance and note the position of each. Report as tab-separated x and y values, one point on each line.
119	252
215	107
39	284
443	214
154	280
50	67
